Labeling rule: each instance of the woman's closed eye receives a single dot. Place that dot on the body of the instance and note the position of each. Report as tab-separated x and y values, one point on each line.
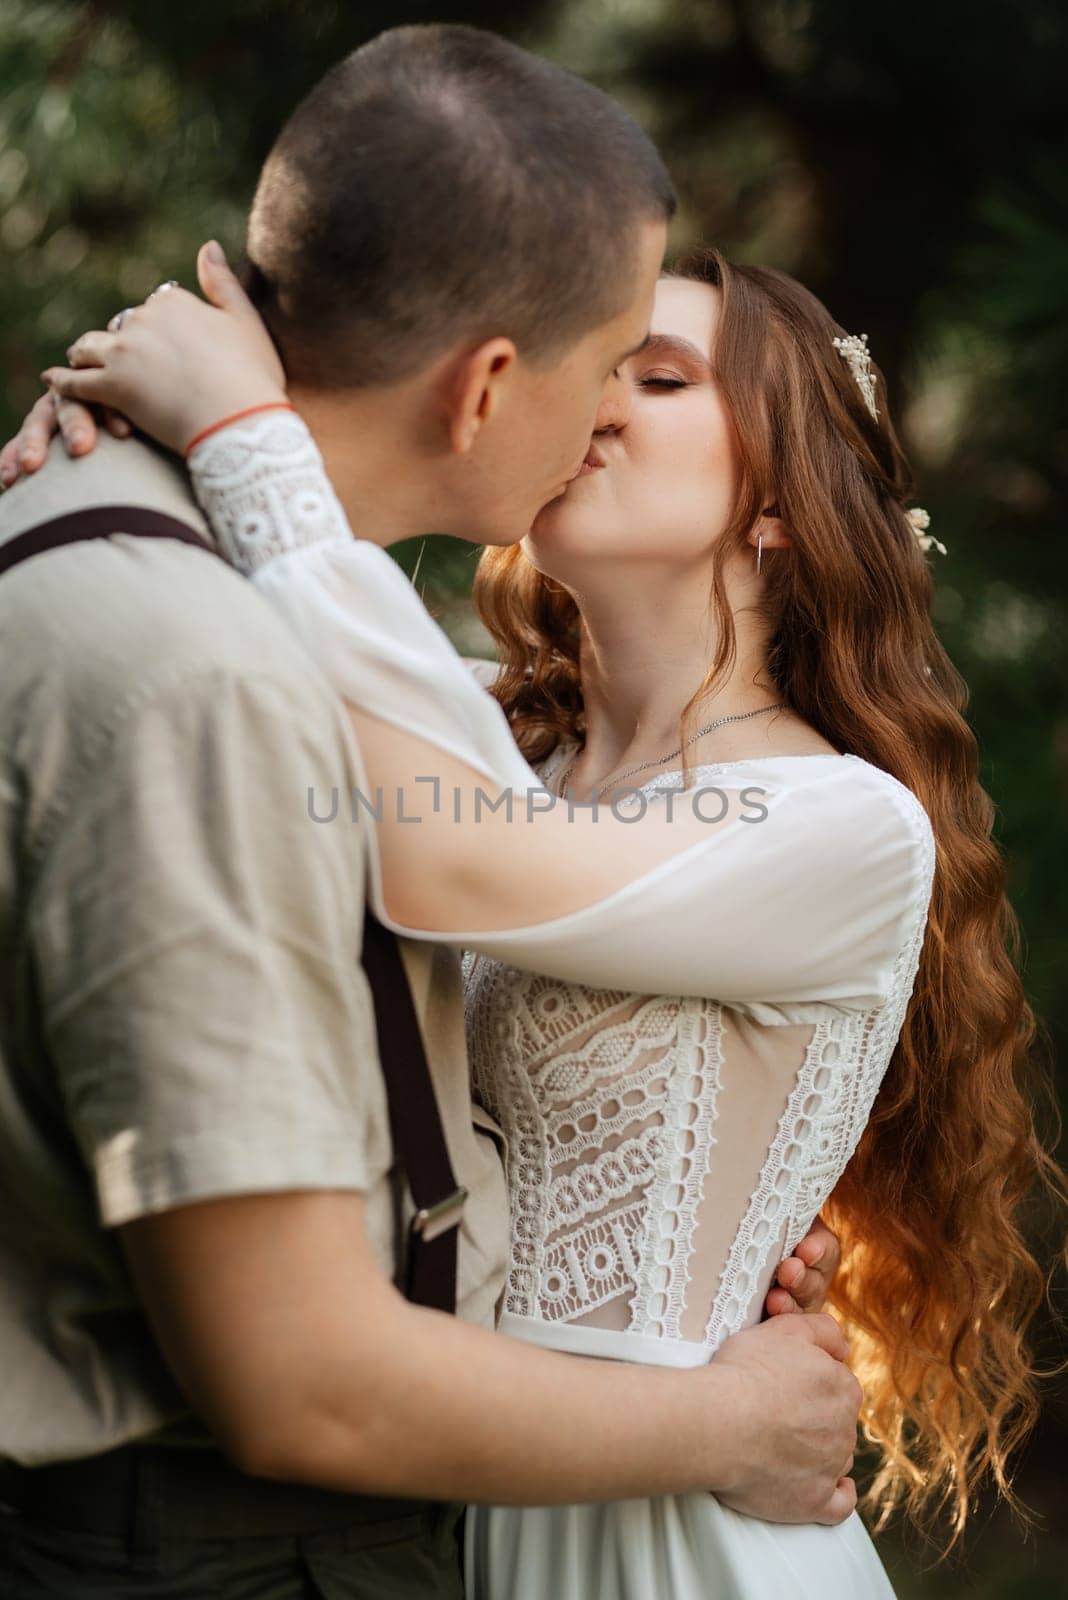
658	381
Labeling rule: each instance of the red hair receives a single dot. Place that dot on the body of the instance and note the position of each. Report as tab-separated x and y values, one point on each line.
938	1285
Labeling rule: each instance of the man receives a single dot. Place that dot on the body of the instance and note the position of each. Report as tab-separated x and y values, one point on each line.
454	245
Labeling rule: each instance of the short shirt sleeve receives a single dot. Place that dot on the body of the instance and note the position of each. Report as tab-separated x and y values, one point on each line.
196	936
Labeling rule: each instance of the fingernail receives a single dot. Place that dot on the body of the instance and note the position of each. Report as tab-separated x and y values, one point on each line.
214	252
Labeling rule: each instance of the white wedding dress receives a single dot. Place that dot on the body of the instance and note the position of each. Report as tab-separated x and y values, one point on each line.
682	1067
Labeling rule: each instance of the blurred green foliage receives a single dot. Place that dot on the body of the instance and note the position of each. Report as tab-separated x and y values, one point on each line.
906	161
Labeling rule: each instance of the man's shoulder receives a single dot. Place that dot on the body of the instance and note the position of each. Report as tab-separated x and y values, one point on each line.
129	472
103	617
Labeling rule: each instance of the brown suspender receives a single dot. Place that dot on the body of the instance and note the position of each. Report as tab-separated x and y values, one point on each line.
415	1122
429	1273
95	523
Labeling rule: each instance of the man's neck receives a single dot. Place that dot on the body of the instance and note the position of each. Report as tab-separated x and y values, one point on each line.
389	491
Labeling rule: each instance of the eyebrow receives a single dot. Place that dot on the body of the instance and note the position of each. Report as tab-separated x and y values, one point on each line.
669	344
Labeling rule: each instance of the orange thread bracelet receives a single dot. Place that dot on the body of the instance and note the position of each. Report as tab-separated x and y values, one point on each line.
206	433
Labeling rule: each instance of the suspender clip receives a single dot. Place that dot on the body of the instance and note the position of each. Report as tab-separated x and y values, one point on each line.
432	1221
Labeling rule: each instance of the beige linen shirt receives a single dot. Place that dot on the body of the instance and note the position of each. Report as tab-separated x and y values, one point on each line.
183	1014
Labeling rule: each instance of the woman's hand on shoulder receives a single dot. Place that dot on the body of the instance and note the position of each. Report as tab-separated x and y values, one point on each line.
177	365
22	455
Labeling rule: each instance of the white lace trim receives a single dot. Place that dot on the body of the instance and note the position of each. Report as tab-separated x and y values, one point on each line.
775	1195
263	487
673	1200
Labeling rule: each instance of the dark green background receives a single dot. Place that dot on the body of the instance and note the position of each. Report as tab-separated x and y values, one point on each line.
905	160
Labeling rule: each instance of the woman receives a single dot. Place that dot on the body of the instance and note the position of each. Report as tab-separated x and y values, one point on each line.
671	1133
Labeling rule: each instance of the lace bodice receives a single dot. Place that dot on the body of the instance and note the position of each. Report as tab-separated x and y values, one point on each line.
665	1152
684	1065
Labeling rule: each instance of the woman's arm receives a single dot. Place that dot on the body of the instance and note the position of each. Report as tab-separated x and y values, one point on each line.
798	891
773	892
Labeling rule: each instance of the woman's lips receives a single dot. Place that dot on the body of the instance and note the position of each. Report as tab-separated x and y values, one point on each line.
592	463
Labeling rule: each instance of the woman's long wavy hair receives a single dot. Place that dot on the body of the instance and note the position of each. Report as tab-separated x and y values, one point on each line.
938	1286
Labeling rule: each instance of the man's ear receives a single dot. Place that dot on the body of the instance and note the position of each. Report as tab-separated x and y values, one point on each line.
476	388
773	531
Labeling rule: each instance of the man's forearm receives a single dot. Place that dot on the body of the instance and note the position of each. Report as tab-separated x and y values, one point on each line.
278	1322
437	1408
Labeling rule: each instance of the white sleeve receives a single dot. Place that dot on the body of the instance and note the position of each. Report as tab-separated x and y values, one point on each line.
811	901
274	512
483	672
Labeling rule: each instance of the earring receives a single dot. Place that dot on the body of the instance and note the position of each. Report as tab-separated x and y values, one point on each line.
760	549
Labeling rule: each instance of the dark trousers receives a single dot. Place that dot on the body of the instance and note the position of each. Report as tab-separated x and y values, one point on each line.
410	1552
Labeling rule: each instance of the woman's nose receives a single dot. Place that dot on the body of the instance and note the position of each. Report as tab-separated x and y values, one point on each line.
614	410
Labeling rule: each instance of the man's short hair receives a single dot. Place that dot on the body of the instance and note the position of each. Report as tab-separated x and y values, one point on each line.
442	185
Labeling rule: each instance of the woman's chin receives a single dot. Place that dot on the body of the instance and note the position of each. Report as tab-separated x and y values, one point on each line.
561	518
559	552
569	532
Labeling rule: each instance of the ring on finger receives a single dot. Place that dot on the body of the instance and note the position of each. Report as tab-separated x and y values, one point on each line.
161	288
119	318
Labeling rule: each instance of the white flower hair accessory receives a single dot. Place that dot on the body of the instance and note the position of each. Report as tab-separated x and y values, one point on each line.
854	352
919	521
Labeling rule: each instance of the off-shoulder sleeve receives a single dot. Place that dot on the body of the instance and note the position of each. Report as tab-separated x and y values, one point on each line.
807	893
809	897
483	672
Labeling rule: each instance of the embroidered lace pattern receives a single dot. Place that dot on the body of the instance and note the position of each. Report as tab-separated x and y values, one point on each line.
262	486
665	1153
594	1067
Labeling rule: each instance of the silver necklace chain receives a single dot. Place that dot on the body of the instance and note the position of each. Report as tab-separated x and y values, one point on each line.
737	716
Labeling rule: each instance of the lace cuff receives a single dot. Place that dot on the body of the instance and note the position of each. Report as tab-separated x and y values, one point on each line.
263	487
